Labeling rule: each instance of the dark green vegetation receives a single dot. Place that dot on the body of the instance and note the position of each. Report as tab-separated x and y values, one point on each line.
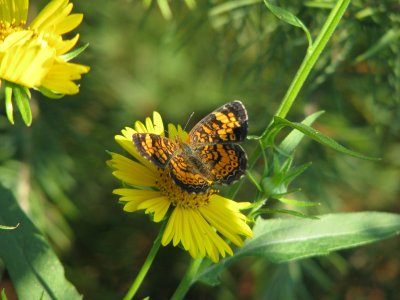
196	61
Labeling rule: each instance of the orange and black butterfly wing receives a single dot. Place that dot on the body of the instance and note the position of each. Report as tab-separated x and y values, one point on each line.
226	163
189	174
157	149
227	124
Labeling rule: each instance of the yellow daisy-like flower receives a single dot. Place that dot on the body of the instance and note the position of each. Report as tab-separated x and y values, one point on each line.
201	223
34	56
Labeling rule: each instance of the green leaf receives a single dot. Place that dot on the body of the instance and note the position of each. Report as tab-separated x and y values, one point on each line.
49	94
165	9
293	139
320	138
34	268
229	6
289	18
285	211
283	240
5	227
9	106
298	202
279	182
386	40
22	100
3	295
71	55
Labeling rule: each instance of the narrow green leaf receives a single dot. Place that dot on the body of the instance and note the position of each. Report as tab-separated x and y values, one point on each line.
191	4
320	138
34	268
22	100
3	294
71	55
147	3
298	202
386	40
285	211
293	139
282	240
295	172
289	18
5	227
230	5
165	9
9	106
278	183
50	94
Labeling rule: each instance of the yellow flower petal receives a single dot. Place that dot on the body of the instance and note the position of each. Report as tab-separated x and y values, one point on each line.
158	124
54	18
59	78
131	172
159	206
149	125
69	23
25	59
228	222
140	127
13	12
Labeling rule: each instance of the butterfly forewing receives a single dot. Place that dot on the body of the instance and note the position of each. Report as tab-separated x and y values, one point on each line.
157	149
227	124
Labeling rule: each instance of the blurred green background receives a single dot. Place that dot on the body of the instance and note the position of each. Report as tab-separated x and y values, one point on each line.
196	61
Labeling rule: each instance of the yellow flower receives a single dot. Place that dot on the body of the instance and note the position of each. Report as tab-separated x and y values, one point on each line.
33	56
201	223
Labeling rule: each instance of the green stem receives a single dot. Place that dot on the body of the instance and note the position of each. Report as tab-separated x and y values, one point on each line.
187	280
146	265
309	61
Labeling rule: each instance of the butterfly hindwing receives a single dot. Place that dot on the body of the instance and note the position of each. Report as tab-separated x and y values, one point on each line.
226	162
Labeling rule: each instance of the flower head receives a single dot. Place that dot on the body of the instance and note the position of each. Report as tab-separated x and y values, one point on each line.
200	222
35	56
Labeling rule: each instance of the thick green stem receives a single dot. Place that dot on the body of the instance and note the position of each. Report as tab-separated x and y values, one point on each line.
187	280
308	63
146	266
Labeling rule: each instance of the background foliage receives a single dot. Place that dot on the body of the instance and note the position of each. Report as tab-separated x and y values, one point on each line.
197	60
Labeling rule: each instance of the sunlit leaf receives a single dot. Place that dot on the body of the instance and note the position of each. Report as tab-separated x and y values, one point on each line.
285	211
230	5
297	202
71	55
293	139
50	94
8	99
321	138
5	227
282	240
289	18
278	183
165	9
32	265
3	295
22	100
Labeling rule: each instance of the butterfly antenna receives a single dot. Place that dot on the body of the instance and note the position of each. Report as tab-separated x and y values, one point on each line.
187	122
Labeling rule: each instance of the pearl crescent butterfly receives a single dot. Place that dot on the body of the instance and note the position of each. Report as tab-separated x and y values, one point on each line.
209	155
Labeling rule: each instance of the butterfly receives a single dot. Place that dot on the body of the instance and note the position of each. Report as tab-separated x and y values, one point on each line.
209	155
